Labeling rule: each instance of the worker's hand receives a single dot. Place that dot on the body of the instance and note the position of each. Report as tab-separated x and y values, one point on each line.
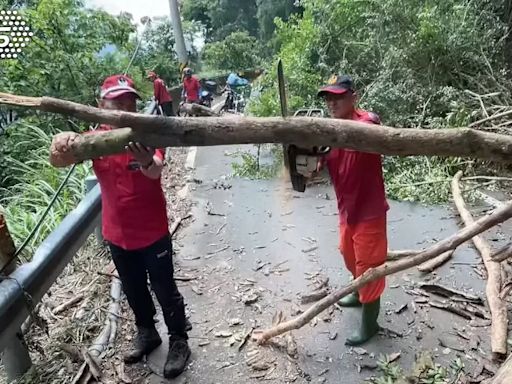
60	149
141	153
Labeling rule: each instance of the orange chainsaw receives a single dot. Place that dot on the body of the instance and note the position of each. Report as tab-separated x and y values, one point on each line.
300	162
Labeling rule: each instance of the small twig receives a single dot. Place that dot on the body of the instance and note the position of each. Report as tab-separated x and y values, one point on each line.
66	305
177	223
210	254
220	229
490	118
111	275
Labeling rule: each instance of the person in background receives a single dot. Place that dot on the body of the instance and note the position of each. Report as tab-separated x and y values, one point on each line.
359	185
160	94
135	225
191	87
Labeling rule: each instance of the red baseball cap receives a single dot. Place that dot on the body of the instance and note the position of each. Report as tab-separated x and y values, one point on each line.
337	85
117	85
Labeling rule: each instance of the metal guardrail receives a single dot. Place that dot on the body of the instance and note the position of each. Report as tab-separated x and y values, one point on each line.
37	276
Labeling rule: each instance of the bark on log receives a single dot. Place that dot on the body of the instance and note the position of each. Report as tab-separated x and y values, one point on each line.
452	242
160	131
497	306
504	374
197	110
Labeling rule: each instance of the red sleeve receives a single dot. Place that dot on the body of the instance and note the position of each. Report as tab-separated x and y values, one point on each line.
156	91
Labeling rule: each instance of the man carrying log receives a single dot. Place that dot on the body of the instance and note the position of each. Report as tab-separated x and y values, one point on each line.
136	227
359	186
160	94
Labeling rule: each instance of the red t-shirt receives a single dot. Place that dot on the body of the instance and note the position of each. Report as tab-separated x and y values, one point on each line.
357	179
133	206
160	91
191	88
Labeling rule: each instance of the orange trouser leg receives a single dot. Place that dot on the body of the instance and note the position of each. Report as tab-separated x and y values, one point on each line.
370	248
347	248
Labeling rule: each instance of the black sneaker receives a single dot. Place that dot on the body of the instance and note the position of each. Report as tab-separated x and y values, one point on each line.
179	353
146	341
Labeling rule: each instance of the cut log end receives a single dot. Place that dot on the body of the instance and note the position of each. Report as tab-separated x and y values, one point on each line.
21	101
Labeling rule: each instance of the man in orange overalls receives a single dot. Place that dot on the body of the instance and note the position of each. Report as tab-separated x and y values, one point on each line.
359	186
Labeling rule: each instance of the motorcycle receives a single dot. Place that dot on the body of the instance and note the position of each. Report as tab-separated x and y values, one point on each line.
206	98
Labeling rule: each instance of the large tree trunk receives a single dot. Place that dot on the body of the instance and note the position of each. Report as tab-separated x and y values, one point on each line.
159	131
498	216
497	306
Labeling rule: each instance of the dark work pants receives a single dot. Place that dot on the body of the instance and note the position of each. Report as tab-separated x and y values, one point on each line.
167	108
133	268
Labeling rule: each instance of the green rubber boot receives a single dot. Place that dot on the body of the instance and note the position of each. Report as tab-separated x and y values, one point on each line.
369	326
351	300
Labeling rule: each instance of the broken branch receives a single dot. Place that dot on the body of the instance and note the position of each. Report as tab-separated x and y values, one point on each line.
452	242
62	307
431	265
499	320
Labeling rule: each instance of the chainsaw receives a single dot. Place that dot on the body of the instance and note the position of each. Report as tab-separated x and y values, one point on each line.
301	162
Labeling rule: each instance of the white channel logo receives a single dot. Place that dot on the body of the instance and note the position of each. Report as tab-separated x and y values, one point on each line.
15	34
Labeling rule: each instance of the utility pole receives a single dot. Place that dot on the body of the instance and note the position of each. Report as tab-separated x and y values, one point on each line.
181	50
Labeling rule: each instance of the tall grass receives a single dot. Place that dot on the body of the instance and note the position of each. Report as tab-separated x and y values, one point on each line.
34	182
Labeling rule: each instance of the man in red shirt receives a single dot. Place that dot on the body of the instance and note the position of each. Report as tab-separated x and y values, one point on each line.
191	87
359	186
136	228
161	95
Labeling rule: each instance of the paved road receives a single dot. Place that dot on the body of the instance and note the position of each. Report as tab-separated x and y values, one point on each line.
256	237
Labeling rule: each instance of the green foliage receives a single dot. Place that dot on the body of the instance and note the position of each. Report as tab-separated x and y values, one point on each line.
425	371
156	52
412	62
220	18
35	184
268	10
250	165
238	51
62	59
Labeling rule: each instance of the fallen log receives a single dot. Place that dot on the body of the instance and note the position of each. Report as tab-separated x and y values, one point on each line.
497	306
160	131
484	223
197	110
